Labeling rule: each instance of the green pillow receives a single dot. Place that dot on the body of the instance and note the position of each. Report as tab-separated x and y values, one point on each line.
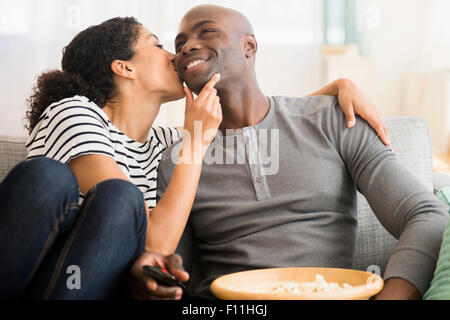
440	285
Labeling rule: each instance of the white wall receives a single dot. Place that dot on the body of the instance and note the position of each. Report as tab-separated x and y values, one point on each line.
406	39
412	49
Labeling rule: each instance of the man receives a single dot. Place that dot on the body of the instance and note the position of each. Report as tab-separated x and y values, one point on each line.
304	213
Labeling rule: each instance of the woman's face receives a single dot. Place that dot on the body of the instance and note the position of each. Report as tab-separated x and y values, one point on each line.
154	68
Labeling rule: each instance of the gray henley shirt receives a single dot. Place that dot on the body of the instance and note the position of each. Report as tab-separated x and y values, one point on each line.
283	193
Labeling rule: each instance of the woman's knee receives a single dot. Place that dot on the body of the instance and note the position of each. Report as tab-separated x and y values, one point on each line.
116	209
38	191
118	196
44	170
44	174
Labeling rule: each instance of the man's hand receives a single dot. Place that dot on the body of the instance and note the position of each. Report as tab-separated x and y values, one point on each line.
398	289
352	101
144	287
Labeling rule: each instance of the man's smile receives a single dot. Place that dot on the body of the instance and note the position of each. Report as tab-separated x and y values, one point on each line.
194	64
190	64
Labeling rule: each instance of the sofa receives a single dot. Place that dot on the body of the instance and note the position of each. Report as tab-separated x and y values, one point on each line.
411	141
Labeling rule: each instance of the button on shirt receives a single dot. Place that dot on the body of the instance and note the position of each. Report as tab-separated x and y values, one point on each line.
247	147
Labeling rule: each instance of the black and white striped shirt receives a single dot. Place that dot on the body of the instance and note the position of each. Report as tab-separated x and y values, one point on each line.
77	126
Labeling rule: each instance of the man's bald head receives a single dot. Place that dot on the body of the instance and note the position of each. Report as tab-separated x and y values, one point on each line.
238	20
214	39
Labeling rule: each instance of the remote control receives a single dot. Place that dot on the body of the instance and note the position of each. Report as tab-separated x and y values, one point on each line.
163	276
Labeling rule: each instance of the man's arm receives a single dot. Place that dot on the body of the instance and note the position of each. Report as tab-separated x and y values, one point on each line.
398	289
352	100
404	206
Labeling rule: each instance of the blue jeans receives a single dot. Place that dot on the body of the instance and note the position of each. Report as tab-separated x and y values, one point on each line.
52	248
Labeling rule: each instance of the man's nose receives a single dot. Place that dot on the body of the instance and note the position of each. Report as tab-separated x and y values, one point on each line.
190	46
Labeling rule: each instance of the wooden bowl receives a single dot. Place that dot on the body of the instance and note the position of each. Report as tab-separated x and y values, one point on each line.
259	284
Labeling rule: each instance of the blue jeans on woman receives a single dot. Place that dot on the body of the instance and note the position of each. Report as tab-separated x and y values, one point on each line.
53	248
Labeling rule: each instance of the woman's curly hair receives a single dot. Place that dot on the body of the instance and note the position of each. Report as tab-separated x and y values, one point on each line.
86	66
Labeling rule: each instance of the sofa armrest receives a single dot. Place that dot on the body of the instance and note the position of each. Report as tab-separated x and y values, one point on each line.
440	180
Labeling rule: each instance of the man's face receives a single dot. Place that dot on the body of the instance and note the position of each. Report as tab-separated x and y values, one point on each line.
205	45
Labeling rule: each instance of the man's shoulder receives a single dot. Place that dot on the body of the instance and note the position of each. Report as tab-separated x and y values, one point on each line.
305	106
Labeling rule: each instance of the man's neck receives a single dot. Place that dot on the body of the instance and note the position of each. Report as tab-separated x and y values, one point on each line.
242	107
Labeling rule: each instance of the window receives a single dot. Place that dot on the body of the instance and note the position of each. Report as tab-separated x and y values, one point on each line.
340	22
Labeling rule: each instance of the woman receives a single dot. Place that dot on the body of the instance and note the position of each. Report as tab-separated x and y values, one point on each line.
82	210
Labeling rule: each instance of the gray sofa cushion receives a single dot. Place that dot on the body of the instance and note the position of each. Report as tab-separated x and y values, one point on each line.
12	151
440	181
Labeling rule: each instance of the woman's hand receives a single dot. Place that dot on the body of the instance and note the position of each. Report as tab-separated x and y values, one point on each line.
203	116
352	101
144	287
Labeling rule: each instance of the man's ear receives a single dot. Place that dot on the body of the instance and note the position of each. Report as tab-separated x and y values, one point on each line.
251	46
123	69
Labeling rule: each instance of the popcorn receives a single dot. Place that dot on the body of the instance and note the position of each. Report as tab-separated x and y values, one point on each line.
292	287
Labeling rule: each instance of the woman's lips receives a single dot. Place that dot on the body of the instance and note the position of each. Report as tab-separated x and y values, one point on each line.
177	74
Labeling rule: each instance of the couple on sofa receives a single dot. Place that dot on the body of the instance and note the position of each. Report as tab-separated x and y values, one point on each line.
100	193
